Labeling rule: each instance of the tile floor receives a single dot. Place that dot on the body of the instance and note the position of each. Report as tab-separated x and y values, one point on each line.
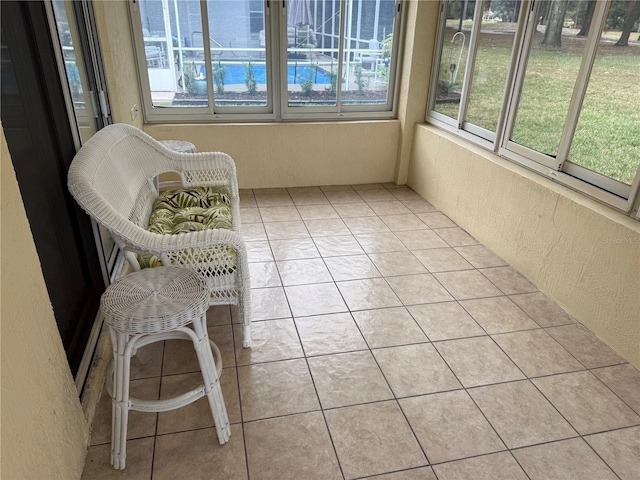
387	343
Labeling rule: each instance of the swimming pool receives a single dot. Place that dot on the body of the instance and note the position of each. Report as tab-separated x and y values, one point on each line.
295	74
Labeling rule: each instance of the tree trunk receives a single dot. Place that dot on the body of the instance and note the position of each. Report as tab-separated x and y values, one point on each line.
588	16
633	13
553	31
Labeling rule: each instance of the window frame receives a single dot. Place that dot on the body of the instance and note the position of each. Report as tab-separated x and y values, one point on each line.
559	168
277	108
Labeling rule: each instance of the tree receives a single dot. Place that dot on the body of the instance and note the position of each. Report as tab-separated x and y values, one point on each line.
633	13
553	31
588	16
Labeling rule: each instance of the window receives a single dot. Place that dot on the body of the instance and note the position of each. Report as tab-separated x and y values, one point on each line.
228	60
550	84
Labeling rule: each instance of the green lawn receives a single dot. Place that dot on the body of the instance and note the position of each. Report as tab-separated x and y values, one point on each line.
607	138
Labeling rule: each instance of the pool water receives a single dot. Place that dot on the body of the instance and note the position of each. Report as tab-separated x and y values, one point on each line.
295	74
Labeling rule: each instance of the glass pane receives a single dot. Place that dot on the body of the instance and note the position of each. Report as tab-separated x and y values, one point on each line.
313	29
607	139
368	46
493	57
453	56
551	74
238	52
174	52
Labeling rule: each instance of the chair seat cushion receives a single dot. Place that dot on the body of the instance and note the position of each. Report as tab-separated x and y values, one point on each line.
189	210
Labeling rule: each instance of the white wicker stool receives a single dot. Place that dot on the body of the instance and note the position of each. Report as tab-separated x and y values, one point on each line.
148	306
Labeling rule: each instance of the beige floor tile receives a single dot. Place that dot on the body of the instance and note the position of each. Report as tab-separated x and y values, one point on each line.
376	195
264	275
421	239
417	289
624	380
245	191
327	227
449	426
456	237
293	447
620	449
180	355
367	186
585	346
397	263
358	225
380	242
279	214
271	340
301	272
442	260
437	220
286	230
250	215
218	315
567	459
198	414
222	336
497	466
147	362
294	249
270	191
405	194
520	414
97	465
248	201
348	379
352	210
253	232
353	267
259	252
478	361
423	473
197	455
480	256
276	389
368	294
316	299
326	334
542	309
508	280
445	321
394	207
419	206
268	304
498	315
273	199
335	188
309	198
400	223
141	424
537	353
343	196
317	212
586	402
415	370
467	284
338	245
293	191
373	439
388	327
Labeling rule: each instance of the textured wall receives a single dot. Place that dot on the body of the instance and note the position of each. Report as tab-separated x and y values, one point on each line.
44	433
581	253
298	154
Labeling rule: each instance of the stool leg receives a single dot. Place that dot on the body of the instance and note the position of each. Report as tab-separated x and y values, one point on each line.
212	386
120	401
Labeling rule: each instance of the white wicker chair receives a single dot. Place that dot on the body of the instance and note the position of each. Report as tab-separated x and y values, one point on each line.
112	178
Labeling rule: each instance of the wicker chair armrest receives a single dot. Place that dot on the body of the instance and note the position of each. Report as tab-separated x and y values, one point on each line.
203	168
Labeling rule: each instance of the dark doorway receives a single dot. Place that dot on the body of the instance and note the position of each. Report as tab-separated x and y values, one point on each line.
39	136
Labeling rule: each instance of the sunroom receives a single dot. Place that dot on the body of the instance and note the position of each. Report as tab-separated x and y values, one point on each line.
440	205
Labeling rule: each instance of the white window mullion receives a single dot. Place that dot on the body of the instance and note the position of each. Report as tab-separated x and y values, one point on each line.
206	43
435	68
341	38
580	89
273	57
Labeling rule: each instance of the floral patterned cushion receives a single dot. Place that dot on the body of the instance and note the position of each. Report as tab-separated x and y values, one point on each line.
188	210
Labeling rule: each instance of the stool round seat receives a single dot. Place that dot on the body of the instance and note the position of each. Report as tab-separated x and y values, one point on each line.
153	305
155	300
179	146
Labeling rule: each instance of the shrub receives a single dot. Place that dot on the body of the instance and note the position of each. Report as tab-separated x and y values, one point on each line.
219	72
250	79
